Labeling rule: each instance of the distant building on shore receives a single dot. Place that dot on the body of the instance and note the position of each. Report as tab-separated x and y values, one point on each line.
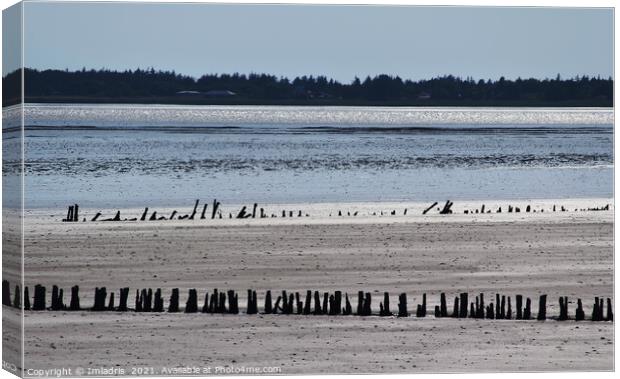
188	93
212	93
424	96
220	93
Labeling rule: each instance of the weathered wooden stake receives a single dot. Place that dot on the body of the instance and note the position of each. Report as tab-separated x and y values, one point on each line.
325	303
268	306
367	305
385	306
579	313
74	304
100	297
463	302
122	303
39	298
173	305
360	303
509	310
6	293
402	305
308	303
110	303
26	299
456	308
542	308
17	303
421	308
443	308
191	305
527	312
563	309
348	310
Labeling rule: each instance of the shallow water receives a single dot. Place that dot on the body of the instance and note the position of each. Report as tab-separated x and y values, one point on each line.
135	155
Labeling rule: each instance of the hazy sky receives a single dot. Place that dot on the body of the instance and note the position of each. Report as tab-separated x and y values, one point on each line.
336	41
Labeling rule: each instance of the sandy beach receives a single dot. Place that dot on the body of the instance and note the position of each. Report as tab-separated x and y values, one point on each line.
555	253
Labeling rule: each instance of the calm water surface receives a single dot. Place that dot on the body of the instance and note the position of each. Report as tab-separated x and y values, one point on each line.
135	155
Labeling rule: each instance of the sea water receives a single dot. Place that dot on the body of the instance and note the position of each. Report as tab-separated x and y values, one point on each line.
161	155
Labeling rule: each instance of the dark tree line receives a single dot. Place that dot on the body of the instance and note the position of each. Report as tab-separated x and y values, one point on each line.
151	85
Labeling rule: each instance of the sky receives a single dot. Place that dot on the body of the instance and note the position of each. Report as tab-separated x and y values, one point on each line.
340	42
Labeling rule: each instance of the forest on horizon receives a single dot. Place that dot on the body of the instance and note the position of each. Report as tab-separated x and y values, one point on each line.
169	87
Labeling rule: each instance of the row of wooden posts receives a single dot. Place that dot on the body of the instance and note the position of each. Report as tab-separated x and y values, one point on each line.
244	212
256	212
337	303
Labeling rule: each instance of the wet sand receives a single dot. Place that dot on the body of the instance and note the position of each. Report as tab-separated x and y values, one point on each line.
568	254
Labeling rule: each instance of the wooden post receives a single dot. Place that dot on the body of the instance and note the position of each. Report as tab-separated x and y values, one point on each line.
191	305
563	309
268	307
39	298
443	309
509	310
527	312
325	303
110	303
124	294
437	311
472	310
17	302
222	303
421	309
402	305
191	217
490	313
332	305
205	306
498	310
158	301
347	311
463	302
26	299
285	306
173	306
299	304
337	302
429	208
610	312
216	205
215	301
385	306
360	303
542	308
251	308
519	307
308	303
276	305
579	313
456	308
6	293
317	303
233	302
367	305
481	308
74	304
138	301
55	306
100	296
